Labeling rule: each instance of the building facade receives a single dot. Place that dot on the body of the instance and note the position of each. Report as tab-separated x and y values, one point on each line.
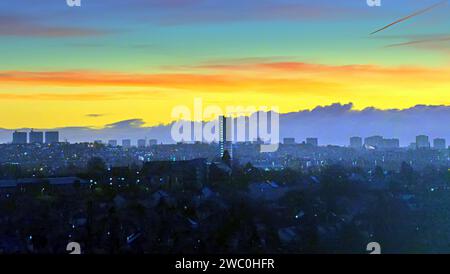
439	143
19	138
51	137
374	141
423	141
312	141
289	141
356	142
225	136
36	137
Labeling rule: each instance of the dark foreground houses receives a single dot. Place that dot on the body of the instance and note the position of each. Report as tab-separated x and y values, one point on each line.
186	199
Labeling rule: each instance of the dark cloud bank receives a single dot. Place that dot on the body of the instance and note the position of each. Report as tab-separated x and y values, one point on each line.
332	124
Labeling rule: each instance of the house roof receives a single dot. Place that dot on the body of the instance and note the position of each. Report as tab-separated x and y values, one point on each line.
51	181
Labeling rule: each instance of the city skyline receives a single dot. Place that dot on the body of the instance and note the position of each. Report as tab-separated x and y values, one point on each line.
224	134
332	124
107	62
357	142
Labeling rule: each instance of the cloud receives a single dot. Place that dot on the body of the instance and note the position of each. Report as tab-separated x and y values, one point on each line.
367	84
439	43
332	124
186	12
218	75
127	124
94	115
334	109
178	12
417	13
14	25
141	46
86	45
95	78
422	43
431	42
56	96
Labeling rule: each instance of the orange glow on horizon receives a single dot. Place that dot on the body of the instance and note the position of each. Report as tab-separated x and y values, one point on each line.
64	98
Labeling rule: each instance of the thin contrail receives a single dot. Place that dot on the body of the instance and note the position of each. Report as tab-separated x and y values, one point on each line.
411	16
421	41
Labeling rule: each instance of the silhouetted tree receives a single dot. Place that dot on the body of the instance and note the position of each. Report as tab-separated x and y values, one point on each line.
96	168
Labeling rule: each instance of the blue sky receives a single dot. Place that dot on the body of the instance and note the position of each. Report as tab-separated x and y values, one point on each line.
138	59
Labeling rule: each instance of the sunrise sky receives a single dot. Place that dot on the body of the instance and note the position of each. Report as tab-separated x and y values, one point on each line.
109	61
